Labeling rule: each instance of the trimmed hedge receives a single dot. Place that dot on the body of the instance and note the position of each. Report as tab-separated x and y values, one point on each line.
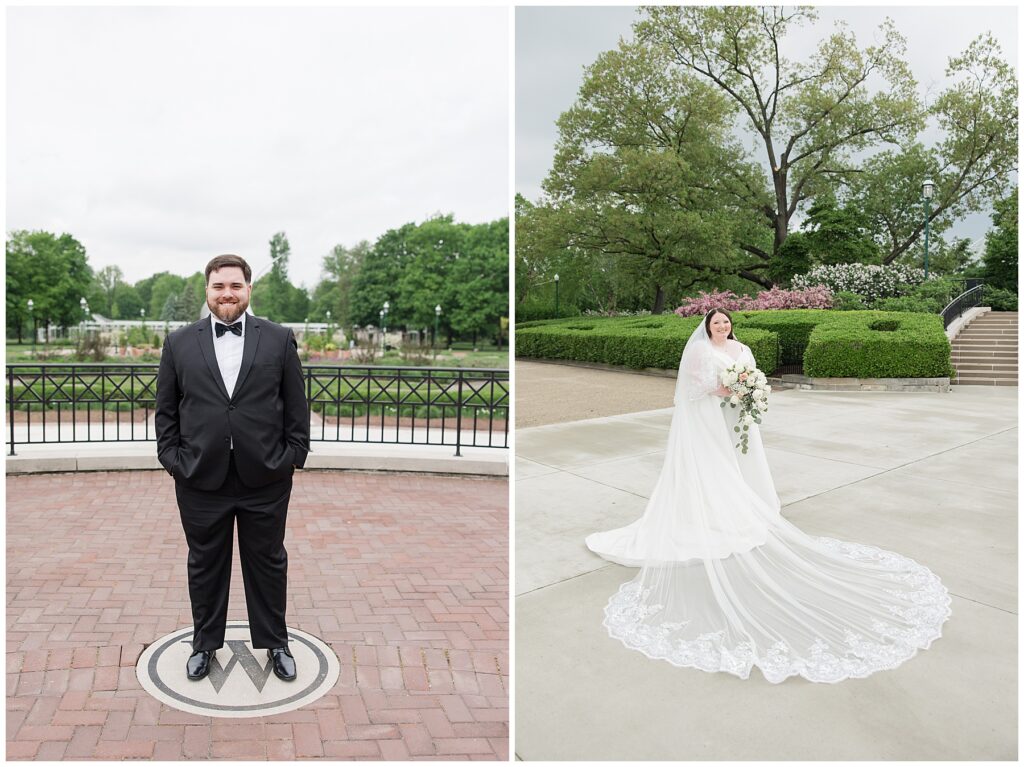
829	343
635	342
879	345
792	326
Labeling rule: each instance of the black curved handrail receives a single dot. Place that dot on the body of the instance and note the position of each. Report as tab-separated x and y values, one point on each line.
966	300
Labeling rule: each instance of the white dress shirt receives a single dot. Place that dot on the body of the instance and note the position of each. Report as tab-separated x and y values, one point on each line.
229	355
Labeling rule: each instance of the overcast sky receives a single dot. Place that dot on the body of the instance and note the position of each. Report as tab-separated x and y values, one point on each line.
553	45
160	137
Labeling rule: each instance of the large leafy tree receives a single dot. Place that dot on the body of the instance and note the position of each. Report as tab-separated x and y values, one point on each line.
378	276
970	166
480	281
51	270
638	173
1001	245
816	121
416	267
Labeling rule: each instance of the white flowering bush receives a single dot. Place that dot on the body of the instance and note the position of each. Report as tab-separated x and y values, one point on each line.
870	281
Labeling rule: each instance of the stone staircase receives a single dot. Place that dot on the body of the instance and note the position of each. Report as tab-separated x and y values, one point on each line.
985	352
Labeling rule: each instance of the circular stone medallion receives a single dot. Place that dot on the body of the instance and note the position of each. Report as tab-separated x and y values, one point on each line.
241	681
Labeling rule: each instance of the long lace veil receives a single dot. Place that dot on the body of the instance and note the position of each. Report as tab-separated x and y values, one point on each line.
726	582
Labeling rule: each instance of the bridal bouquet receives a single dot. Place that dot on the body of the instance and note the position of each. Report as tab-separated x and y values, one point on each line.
750	392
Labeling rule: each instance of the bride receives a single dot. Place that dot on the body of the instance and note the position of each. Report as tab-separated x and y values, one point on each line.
726	583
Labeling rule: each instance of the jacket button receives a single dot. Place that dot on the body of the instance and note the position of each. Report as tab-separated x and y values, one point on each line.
227	439
231	407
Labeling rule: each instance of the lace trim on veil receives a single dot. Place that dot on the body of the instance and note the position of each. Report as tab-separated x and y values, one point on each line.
924	607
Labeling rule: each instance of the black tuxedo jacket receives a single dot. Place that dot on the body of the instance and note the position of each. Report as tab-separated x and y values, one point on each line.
196	417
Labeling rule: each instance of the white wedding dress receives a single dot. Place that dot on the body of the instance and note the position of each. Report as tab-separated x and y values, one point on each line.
726	583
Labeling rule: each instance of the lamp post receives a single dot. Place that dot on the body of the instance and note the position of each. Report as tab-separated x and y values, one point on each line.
32	318
85	315
384	326
556	295
381	315
927	190
328	313
437	320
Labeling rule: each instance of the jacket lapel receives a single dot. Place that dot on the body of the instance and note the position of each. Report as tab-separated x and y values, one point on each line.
252	340
205	335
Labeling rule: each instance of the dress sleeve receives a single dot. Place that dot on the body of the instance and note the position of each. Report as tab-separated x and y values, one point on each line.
748	356
701	375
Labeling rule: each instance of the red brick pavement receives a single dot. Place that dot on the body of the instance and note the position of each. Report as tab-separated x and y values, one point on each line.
405	576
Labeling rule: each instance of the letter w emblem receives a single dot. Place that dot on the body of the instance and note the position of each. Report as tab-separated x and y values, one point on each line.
240	656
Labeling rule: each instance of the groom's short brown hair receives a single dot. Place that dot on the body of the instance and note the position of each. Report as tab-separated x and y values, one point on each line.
219	262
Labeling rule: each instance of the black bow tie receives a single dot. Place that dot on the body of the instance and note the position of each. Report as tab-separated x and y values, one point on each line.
221	328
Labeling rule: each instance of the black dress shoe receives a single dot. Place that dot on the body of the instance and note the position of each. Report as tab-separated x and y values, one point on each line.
198	664
284	664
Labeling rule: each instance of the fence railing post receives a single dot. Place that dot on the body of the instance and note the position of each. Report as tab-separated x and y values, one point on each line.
458	419
10	402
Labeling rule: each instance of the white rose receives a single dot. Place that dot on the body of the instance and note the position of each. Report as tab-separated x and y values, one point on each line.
734	399
758	394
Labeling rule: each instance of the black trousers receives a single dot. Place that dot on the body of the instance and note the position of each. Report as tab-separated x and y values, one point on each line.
208	519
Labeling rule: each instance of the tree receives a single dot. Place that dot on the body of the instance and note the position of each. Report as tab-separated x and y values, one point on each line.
838	235
794	257
480	281
1001	245
273	296
164	285
808	117
341	266
187	306
812	119
126	303
169	312
106	282
377	280
51	270
637	172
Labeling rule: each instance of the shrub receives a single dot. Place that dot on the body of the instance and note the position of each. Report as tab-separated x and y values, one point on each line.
638	342
847	301
878	345
908	304
867	280
1000	300
815	297
704	302
793	328
828	343
91	346
544	310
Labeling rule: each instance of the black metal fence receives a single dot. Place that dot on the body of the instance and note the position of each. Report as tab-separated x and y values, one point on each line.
103	402
966	300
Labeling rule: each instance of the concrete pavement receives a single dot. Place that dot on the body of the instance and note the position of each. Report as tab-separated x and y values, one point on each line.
931	476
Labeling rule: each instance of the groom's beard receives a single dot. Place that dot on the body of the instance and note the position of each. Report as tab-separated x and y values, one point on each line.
228	311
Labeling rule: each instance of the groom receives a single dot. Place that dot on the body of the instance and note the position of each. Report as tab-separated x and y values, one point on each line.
232	425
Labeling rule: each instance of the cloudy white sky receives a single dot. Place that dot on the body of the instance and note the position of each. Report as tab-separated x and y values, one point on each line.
160	137
554	44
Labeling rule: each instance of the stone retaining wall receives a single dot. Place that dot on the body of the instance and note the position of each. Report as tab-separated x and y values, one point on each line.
865	384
